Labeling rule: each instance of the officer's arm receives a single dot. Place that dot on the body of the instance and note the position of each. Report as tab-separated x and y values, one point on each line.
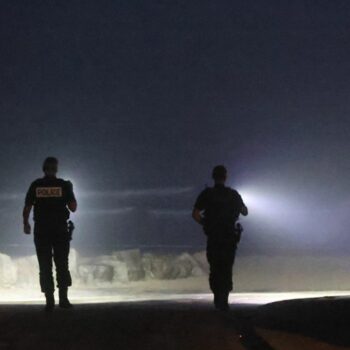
244	210
72	206
197	216
72	202
26	212
28	204
199	207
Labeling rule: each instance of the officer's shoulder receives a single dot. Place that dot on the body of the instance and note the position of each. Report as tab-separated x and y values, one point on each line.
37	181
232	191
66	184
207	191
62	181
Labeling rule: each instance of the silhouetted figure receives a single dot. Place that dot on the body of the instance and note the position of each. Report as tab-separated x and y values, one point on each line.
52	199
217	209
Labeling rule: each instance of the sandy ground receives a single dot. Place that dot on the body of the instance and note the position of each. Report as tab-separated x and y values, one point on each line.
195	288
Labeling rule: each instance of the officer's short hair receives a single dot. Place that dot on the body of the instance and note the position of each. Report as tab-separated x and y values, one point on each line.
219	173
49	162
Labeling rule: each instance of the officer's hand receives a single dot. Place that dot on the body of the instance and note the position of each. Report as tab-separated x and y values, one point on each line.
27	229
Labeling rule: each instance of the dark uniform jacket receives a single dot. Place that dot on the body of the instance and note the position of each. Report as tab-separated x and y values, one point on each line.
50	197
221	207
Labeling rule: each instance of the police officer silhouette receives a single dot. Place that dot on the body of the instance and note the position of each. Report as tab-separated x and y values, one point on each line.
53	199
217	209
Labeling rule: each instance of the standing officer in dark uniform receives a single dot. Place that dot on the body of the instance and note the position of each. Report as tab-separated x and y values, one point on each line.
53	199
217	209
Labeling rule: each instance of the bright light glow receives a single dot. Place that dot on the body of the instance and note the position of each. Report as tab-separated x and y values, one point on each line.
273	210
269	203
99	296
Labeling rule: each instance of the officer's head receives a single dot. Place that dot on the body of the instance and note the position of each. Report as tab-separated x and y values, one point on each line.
50	166
219	174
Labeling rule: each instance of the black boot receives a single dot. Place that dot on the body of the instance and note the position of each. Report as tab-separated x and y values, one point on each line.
50	302
64	302
222	302
216	300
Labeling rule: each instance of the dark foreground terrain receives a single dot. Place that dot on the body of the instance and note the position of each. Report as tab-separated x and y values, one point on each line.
147	325
315	324
323	319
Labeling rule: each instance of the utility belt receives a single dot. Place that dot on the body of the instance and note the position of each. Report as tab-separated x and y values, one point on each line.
224	232
54	226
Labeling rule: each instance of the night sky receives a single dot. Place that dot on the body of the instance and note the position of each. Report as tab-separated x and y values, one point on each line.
140	99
